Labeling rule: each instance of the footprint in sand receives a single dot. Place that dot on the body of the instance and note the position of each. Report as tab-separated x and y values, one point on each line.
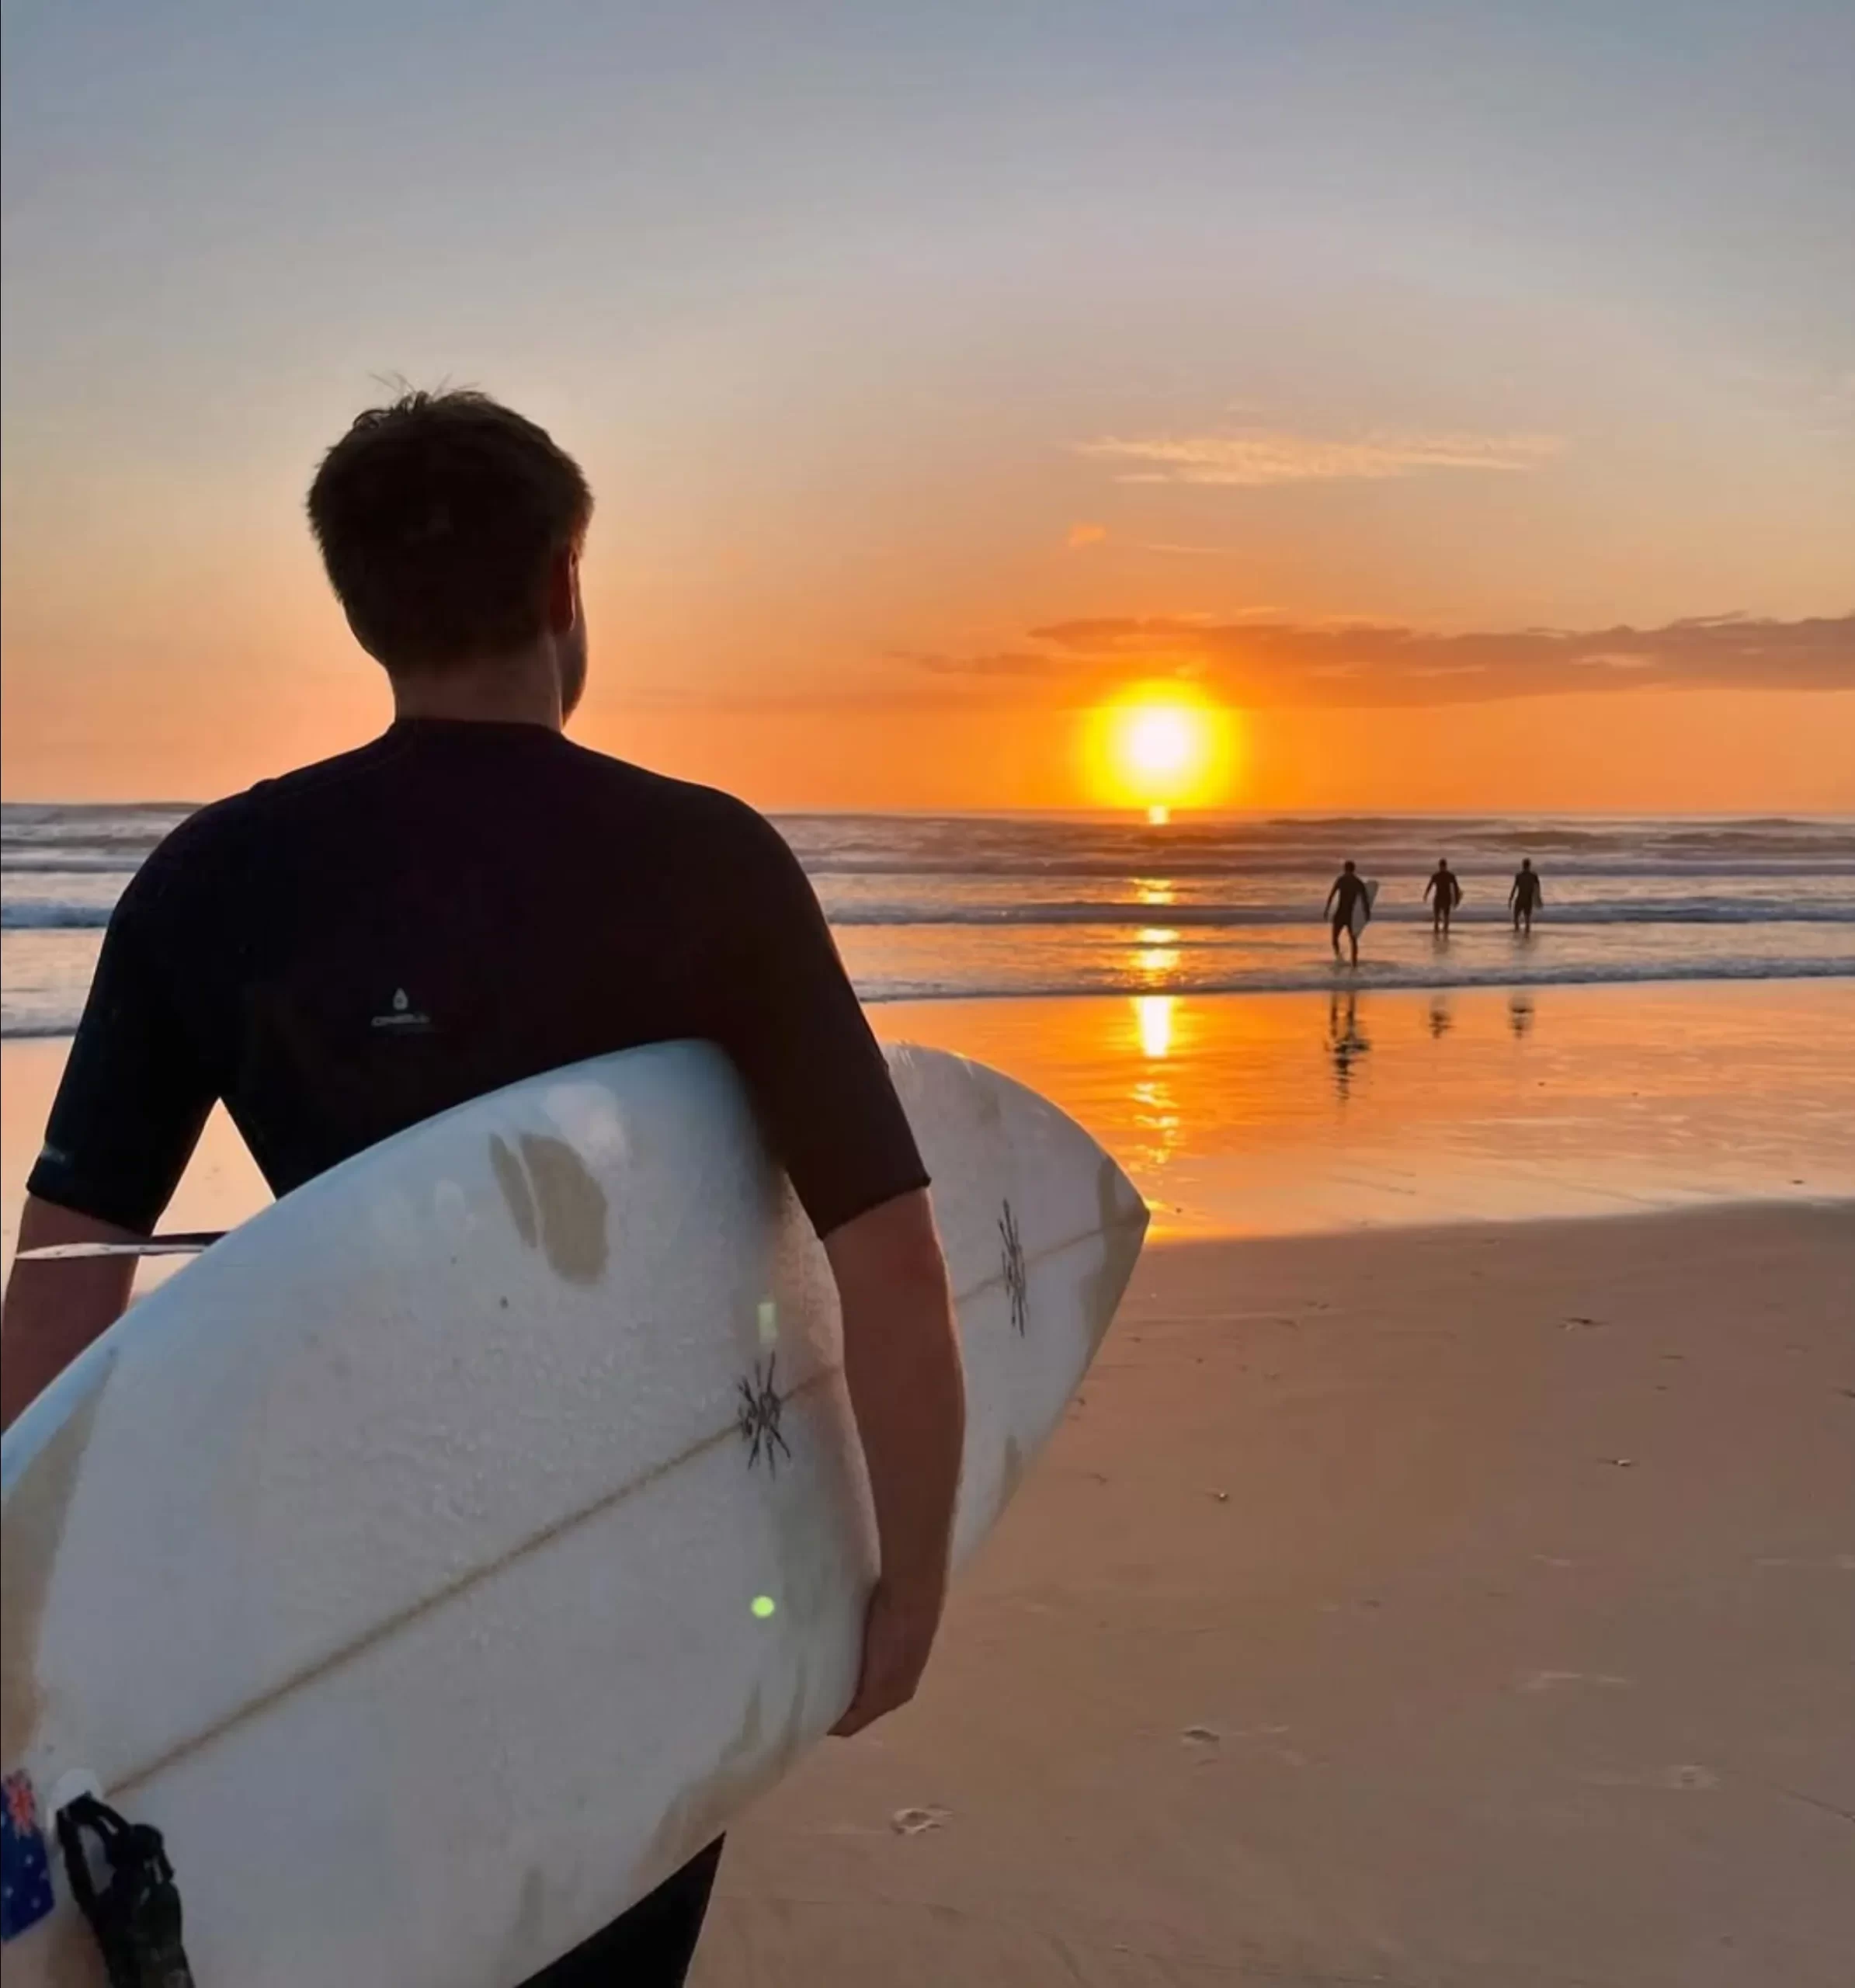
1686	1779
1556	1680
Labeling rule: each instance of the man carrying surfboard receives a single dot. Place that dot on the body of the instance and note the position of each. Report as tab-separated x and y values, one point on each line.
1348	896
469	901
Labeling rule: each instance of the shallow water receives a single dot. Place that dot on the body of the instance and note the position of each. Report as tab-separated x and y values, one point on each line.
931	906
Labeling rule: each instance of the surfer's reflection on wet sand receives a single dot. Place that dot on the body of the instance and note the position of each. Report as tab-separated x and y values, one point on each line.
1442	1016
1346	1042
1519	1014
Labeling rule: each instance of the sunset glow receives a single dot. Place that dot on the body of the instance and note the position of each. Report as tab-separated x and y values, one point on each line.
913	459
1158	748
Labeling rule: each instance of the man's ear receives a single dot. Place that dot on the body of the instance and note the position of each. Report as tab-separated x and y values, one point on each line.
563	592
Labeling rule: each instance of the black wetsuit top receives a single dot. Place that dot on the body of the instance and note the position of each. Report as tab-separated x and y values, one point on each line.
341	953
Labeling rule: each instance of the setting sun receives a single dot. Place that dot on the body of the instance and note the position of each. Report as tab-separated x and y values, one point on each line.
1158	747
1160	741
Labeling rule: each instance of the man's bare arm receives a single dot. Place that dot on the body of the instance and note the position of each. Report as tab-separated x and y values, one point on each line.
54	1310
902	1361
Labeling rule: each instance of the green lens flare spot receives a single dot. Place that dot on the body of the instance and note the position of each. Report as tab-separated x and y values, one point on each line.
764	1606
769	1321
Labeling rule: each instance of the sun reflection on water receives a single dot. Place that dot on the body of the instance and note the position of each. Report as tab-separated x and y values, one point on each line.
1153	1018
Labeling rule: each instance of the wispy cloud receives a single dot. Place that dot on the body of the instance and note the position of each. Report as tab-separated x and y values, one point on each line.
1255	458
1082	535
1278	661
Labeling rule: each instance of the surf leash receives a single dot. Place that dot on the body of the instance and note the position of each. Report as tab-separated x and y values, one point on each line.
136	1915
181	1243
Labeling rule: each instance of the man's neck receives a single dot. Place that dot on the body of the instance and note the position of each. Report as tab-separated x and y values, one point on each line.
507	690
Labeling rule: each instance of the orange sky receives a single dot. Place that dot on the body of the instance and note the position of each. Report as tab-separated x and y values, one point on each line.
176	639
833	600
959	376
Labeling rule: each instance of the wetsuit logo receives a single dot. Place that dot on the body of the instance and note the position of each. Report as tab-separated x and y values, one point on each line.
402	1018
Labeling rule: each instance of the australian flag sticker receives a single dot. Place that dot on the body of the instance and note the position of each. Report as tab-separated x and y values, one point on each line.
24	1871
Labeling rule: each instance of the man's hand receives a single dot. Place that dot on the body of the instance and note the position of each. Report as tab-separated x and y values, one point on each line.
898	1633
901	1363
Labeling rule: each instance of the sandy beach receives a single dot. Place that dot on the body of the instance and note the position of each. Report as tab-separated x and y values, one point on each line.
1470	1606
1413	1597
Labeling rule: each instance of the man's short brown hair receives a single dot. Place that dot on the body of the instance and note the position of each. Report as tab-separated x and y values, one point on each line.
439	518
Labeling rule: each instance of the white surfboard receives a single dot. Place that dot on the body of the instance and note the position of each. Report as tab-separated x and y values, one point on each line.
1362	907
449	1554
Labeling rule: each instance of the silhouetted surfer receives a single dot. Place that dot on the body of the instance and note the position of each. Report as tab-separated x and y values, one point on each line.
1348	892
1525	897
1443	894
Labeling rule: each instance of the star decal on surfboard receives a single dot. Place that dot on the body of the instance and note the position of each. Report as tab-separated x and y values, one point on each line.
1016	1283
759	1418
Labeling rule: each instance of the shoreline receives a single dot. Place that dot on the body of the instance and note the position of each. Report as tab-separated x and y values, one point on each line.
1343	980
1349	979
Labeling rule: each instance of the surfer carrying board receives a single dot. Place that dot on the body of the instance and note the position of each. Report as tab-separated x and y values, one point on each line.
1349	906
1525	897
468	901
1443	894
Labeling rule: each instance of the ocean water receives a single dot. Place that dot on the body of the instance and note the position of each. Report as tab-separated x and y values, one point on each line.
934	907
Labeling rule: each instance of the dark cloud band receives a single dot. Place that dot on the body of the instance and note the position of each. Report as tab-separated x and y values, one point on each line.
1284	663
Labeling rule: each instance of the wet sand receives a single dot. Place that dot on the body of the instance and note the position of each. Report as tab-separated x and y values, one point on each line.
1458	1607
1275	1114
1272	1114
